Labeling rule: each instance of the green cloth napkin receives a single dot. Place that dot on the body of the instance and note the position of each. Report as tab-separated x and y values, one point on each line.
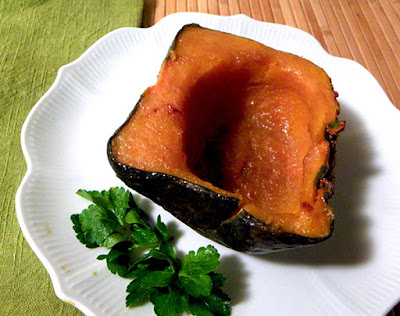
37	37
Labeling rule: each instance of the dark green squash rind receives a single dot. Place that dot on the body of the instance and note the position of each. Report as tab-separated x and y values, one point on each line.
245	233
331	135
208	212
196	206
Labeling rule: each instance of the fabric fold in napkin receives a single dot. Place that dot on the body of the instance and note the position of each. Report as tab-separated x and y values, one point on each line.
37	37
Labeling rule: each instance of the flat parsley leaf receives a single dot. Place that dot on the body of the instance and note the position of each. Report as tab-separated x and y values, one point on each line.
168	303
214	304
197	285
205	261
116	200
97	224
195	269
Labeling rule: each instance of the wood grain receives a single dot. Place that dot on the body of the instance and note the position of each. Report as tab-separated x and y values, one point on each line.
367	31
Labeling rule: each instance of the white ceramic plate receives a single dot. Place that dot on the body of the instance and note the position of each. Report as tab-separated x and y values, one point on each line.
64	140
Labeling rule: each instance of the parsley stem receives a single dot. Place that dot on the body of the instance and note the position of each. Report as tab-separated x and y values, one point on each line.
146	245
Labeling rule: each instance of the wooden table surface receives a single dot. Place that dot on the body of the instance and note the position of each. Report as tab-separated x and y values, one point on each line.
366	31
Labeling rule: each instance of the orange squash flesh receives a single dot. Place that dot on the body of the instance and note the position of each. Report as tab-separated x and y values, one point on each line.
243	120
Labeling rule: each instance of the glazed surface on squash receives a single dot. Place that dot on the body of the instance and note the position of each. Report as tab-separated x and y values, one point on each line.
243	120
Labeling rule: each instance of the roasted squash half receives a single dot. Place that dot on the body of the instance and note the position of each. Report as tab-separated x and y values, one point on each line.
237	140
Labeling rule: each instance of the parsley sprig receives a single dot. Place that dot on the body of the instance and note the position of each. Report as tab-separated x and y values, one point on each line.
173	285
